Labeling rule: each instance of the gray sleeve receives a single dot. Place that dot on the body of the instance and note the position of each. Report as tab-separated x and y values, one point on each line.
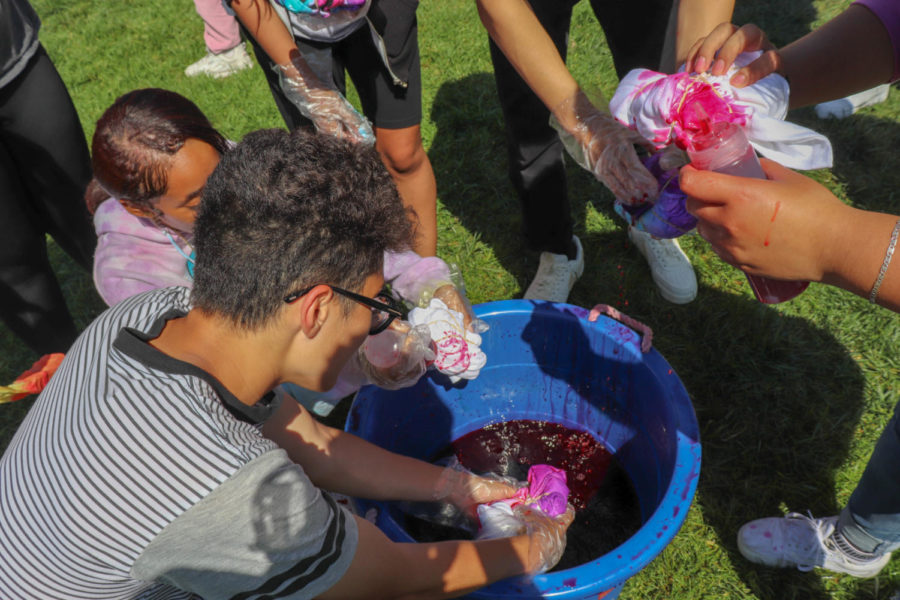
266	532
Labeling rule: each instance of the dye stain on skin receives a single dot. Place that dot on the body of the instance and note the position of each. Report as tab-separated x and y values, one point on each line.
607	508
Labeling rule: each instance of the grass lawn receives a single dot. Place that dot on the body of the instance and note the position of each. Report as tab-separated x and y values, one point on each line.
790	398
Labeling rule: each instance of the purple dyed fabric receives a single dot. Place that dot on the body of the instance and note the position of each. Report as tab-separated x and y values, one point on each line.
667	217
546	489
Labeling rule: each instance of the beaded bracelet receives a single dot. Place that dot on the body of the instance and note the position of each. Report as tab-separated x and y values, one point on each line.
887	261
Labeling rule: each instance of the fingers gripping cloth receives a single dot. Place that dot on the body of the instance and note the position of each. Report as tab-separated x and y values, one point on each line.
665	217
458	350
603	146
539	509
397	357
669	109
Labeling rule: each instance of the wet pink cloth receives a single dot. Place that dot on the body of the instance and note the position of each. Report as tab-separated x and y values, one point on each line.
546	490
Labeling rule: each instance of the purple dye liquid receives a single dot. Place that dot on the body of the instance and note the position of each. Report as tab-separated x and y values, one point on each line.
607	508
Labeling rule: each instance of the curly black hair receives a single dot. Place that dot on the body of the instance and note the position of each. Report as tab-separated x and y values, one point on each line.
284	211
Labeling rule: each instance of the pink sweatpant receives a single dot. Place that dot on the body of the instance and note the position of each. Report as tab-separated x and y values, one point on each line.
220	30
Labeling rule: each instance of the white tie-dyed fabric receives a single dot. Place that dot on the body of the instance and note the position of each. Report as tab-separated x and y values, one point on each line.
668	109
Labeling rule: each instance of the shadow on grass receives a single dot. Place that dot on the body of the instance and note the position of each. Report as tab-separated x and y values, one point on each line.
778	400
15	357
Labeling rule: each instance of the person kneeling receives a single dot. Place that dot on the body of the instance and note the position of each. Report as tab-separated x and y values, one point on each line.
159	461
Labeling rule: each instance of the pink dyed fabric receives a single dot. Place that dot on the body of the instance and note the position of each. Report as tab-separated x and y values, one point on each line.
681	103
671	109
546	490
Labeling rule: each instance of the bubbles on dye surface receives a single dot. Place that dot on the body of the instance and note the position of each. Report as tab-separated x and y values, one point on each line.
602	493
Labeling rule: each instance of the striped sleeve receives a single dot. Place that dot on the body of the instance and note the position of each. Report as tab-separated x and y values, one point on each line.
266	533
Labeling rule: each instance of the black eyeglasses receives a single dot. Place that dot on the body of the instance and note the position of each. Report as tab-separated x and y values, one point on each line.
384	308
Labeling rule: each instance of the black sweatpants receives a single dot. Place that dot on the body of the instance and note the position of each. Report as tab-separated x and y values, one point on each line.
44	170
635	31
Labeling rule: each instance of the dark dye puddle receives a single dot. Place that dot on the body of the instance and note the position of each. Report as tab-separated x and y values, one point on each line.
607	507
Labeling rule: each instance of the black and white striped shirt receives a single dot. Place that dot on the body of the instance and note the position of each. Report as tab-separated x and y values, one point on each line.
136	475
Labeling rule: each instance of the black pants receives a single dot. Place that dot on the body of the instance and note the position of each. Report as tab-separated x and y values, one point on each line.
44	169
635	31
385	104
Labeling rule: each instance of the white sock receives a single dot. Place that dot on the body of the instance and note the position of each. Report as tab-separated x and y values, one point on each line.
839	109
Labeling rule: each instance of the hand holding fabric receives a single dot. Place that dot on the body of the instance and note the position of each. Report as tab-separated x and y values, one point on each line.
604	147
397	357
462	488
458	350
329	111
548	536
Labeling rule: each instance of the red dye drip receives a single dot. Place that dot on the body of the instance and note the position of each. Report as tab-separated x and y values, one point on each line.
510	447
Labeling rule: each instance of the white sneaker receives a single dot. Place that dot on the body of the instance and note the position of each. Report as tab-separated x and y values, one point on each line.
222	64
803	542
843	108
672	271
556	275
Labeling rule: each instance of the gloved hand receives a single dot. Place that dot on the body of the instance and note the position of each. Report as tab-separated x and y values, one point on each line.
458	350
456	494
605	147
452	292
396	358
465	490
324	106
548	536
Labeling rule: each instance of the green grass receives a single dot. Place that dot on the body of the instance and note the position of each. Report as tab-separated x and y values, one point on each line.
790	398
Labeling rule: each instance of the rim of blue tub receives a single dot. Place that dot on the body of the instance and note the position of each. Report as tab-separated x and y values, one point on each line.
620	564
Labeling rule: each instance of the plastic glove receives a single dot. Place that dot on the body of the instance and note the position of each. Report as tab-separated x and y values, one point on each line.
606	148
548	537
397	357
548	534
456	494
451	291
464	489
324	106
458	350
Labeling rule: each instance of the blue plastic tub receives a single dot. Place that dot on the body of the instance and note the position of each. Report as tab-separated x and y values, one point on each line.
548	362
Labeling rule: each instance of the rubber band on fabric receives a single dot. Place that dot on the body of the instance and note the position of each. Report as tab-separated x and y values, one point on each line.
888	255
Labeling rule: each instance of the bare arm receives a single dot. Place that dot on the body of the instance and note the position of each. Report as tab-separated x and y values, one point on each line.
342	462
383	569
850	53
696	18
345	463
267	29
